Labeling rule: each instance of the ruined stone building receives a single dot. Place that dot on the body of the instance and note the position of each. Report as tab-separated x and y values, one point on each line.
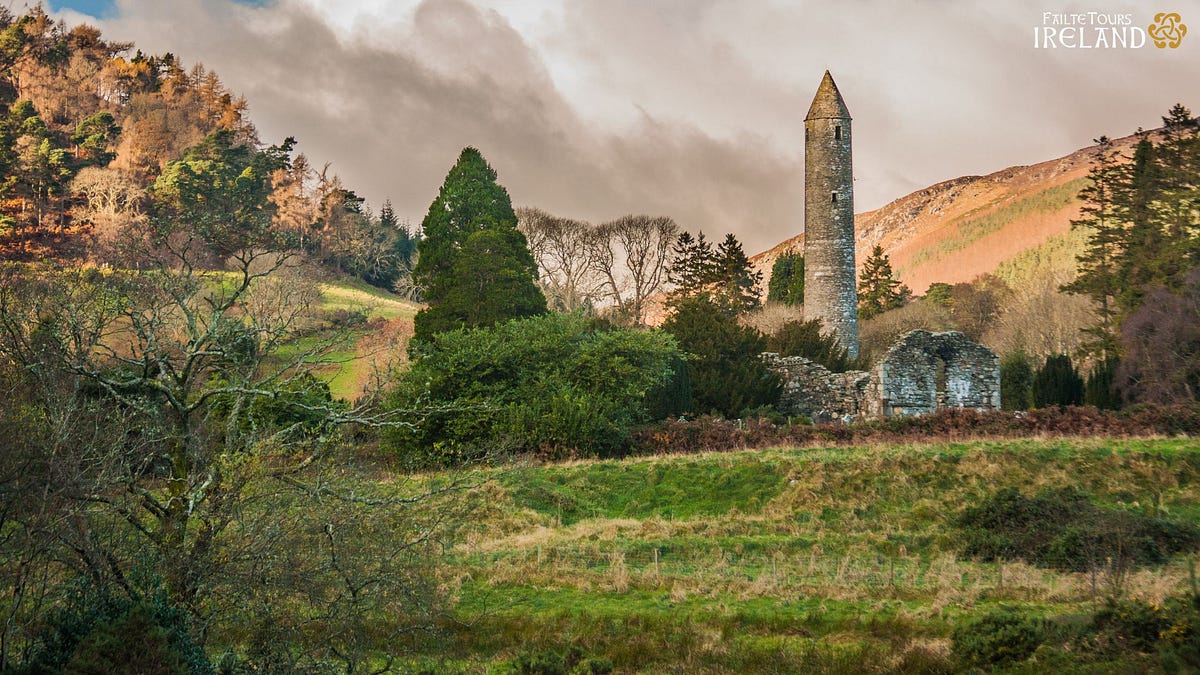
923	371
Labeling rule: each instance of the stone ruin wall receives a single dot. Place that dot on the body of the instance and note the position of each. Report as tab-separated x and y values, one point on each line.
922	373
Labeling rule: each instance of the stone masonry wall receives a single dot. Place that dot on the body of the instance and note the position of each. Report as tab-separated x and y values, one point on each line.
926	371
920	374
809	389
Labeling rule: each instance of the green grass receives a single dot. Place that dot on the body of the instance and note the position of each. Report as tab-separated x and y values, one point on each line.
972	228
682	489
357	295
343	362
786	560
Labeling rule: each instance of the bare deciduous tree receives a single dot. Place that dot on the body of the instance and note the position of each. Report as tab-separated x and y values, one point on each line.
178	420
1022	325
561	248
631	255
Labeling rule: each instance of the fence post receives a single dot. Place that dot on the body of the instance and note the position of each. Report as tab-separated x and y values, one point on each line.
656	575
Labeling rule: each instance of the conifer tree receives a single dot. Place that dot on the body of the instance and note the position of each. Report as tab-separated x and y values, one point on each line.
474	267
693	265
727	374
1016	382
878	289
738	284
1100	389
1104	214
787	280
723	274
1057	382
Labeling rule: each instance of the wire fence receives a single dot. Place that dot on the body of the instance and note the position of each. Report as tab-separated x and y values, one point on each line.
857	571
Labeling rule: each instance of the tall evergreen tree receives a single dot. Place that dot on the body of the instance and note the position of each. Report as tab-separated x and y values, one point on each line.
1104	214
1145	224
723	274
738	284
878	288
693	265
474	268
787	279
1057	382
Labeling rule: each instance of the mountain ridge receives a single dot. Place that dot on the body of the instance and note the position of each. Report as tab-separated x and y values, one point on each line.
961	228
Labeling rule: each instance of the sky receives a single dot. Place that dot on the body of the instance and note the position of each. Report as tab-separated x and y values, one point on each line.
693	109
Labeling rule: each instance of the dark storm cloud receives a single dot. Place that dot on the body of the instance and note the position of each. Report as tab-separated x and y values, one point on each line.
688	108
392	115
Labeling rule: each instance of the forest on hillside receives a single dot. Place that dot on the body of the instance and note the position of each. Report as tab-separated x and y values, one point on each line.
98	139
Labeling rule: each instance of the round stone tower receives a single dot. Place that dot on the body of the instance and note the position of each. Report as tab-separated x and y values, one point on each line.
829	280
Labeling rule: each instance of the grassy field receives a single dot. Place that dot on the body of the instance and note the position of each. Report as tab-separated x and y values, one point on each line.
371	326
789	560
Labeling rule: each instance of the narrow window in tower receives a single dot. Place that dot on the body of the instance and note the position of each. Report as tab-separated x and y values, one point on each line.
806	134
837	132
834	198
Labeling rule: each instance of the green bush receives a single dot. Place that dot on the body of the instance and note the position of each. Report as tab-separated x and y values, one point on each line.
97	632
1172	629
725	367
1016	382
554	384
997	638
787	280
1130	624
1057	383
1061	528
804	338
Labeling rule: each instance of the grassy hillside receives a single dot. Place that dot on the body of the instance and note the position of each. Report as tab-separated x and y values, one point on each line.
842	560
372	328
959	229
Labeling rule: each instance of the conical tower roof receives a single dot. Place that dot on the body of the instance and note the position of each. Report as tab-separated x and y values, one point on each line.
828	103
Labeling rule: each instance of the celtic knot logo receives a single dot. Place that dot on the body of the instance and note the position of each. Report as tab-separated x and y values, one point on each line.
1167	30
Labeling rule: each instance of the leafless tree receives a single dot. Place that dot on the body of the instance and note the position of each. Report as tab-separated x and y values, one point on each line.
561	248
1022	323
177	419
631	255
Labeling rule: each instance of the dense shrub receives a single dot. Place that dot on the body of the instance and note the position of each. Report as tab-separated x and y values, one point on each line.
1016	382
1171	628
804	338
1063	529
553	384
997	638
725	366
101	633
1058	383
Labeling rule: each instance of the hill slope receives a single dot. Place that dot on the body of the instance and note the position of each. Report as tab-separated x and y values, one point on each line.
791	560
961	228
